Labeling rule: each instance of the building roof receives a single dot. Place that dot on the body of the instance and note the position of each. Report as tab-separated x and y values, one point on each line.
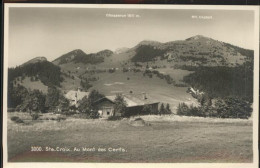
132	99
72	94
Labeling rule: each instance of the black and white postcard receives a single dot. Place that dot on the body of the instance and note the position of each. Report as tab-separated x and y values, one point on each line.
99	85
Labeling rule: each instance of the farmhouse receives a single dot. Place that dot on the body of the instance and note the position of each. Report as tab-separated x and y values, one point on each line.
74	96
135	104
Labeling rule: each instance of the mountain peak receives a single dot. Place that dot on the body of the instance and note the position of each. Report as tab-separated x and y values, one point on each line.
197	37
149	42
35	60
77	51
68	56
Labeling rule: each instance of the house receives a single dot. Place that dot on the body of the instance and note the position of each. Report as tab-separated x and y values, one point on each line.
135	104
75	96
194	92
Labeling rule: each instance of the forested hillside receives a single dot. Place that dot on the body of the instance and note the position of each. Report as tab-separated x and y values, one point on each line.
147	53
48	73
224	81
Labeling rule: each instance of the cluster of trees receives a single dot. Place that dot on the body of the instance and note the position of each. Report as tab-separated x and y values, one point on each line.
88	59
85	84
15	95
146	53
221	82
35	101
164	109
86	105
45	71
228	107
168	78
120	106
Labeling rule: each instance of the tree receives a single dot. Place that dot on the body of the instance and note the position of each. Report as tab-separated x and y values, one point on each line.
33	102
120	105
183	109
63	104
16	95
146	109
85	84
168	109
162	109
86	104
87	108
94	95
52	98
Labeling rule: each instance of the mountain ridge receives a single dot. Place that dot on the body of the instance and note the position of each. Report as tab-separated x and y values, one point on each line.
197	47
197	50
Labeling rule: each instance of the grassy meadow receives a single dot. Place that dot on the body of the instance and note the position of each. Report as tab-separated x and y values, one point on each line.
171	138
156	88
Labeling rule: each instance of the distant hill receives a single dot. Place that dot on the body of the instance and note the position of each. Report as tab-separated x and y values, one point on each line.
75	67
65	58
48	73
80	56
195	51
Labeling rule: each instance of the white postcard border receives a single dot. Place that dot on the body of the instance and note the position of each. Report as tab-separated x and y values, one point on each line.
150	165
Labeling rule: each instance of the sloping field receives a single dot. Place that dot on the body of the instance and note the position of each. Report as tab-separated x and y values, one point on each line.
33	85
157	89
176	74
170	139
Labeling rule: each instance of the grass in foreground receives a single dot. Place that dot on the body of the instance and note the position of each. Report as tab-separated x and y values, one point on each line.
170	139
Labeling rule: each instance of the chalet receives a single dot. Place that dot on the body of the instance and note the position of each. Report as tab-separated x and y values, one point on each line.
75	96
194	92
135	104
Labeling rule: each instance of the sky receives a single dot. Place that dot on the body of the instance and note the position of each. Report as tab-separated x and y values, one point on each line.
52	32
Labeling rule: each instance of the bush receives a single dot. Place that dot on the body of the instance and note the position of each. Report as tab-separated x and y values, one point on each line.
60	118
35	116
113	118
111	70
87	115
16	119
93	114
